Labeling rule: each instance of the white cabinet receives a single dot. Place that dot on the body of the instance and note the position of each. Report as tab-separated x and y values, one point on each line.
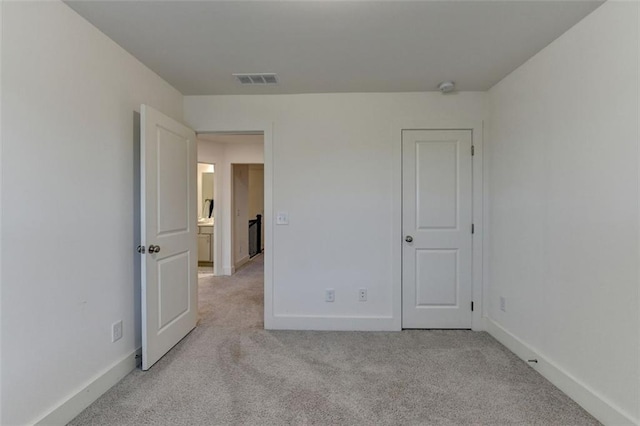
205	244
204	248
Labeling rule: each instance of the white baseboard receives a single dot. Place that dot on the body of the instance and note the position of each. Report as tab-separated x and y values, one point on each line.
76	403
335	323
228	270
241	262
597	405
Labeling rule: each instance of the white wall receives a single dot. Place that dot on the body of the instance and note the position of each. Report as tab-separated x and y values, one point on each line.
563	176
240	213
333	171
68	102
203	168
256	190
238	149
256	194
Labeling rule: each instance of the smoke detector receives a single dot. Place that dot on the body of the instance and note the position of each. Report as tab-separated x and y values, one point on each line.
446	86
261	79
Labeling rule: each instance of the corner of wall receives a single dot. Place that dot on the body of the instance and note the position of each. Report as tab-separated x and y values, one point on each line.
73	405
597	405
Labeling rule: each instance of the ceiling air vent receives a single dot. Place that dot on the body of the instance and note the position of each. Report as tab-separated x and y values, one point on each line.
253	79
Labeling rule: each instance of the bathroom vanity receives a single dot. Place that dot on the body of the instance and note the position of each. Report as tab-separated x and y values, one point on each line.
205	243
205	208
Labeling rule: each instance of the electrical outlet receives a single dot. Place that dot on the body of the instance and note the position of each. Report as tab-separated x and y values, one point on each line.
116	331
362	295
329	295
282	218
503	304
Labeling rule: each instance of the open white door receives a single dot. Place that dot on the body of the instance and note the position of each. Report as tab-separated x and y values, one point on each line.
169	236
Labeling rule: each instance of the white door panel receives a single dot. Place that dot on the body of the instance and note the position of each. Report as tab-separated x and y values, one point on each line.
436	184
168	221
438	268
173	180
437	213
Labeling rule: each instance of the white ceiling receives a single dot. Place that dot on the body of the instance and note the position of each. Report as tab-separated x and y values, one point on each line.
333	46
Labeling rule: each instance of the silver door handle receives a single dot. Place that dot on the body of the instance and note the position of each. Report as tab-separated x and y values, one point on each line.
154	249
408	239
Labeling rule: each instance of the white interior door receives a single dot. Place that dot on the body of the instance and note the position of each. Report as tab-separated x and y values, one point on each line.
168	225
436	222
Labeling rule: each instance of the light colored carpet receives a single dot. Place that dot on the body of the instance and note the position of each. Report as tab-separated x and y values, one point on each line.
231	371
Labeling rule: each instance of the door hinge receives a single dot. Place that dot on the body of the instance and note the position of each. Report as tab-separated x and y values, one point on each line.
473	150
471	306
473	228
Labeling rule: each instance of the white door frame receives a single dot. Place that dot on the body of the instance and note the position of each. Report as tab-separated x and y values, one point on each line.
477	133
266	128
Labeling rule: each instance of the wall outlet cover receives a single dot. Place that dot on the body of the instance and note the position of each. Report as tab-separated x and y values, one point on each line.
329	295
362	295
116	331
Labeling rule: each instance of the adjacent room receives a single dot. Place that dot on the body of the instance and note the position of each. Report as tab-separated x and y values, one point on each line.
237	244
240	205
320	212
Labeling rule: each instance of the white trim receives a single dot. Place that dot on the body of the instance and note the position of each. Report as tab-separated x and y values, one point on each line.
638	260
597	405
241	262
1	21
476	128
268	225
333	323
74	404
217	241
266	128
477	160
396	226
486	227
232	215
218	214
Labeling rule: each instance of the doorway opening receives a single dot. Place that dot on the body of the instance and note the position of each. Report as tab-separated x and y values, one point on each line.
238	210
248	209
206	216
171	201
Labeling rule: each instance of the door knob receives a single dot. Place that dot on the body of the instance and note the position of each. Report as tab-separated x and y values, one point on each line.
154	249
408	239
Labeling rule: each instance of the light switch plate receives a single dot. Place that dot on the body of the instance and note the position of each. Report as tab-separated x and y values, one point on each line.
282	218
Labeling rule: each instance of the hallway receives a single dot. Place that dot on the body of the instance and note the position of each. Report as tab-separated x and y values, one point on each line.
231	371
